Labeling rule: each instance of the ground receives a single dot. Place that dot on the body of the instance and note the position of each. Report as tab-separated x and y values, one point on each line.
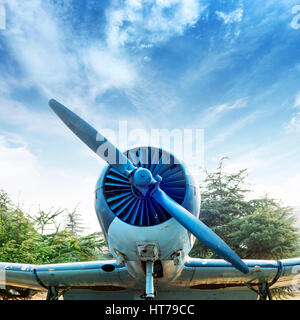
42	296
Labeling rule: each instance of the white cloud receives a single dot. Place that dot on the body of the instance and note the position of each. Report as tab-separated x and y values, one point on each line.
149	21
286	191
36	41
297	101
77	75
234	16
261	155
294	124
58	66
30	184
25	119
213	114
18	166
240	103
210	63
151	95
108	70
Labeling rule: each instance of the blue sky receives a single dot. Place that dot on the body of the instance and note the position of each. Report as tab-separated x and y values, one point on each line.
231	68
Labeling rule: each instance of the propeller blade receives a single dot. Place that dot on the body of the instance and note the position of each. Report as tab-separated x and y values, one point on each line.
199	230
93	139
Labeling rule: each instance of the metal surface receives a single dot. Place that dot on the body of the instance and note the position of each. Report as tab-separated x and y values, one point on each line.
92	138
149	292
200	230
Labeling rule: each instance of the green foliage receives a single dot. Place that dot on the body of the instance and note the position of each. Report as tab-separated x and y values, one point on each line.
255	229
74	222
44	219
267	232
23	239
18	236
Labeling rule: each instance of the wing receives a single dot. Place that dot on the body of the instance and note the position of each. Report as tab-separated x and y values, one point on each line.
213	272
75	280
217	279
199	279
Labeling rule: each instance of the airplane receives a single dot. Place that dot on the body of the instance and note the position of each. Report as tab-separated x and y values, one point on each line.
148	207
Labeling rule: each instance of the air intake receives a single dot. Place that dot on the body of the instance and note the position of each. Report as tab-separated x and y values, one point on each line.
128	204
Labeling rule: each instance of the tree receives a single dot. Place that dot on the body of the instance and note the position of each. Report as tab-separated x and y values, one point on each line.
46	218
5	201
255	229
74	222
23	240
19	242
18	239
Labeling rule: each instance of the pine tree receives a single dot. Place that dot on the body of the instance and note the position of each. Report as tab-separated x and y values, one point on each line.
74	222
46	218
257	229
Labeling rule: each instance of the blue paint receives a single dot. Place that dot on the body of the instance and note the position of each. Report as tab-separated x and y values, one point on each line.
92	138
290	262
128	203
200	230
209	263
77	266
19	267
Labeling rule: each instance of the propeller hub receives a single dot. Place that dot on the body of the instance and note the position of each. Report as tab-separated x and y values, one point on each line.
142	177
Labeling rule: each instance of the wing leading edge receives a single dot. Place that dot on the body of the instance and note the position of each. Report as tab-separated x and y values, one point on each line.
215	272
103	276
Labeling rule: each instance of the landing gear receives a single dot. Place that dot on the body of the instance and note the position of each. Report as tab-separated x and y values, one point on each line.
52	294
148	254
149	293
263	291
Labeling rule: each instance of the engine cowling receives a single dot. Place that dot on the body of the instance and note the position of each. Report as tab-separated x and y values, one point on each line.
117	198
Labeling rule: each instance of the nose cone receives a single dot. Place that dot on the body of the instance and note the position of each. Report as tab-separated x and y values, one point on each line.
142	177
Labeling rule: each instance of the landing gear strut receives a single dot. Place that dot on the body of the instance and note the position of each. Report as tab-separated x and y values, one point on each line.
148	254
263	291
149	293
52	294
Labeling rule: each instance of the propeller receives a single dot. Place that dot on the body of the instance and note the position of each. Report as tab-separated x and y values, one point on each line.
93	139
201	231
142	179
